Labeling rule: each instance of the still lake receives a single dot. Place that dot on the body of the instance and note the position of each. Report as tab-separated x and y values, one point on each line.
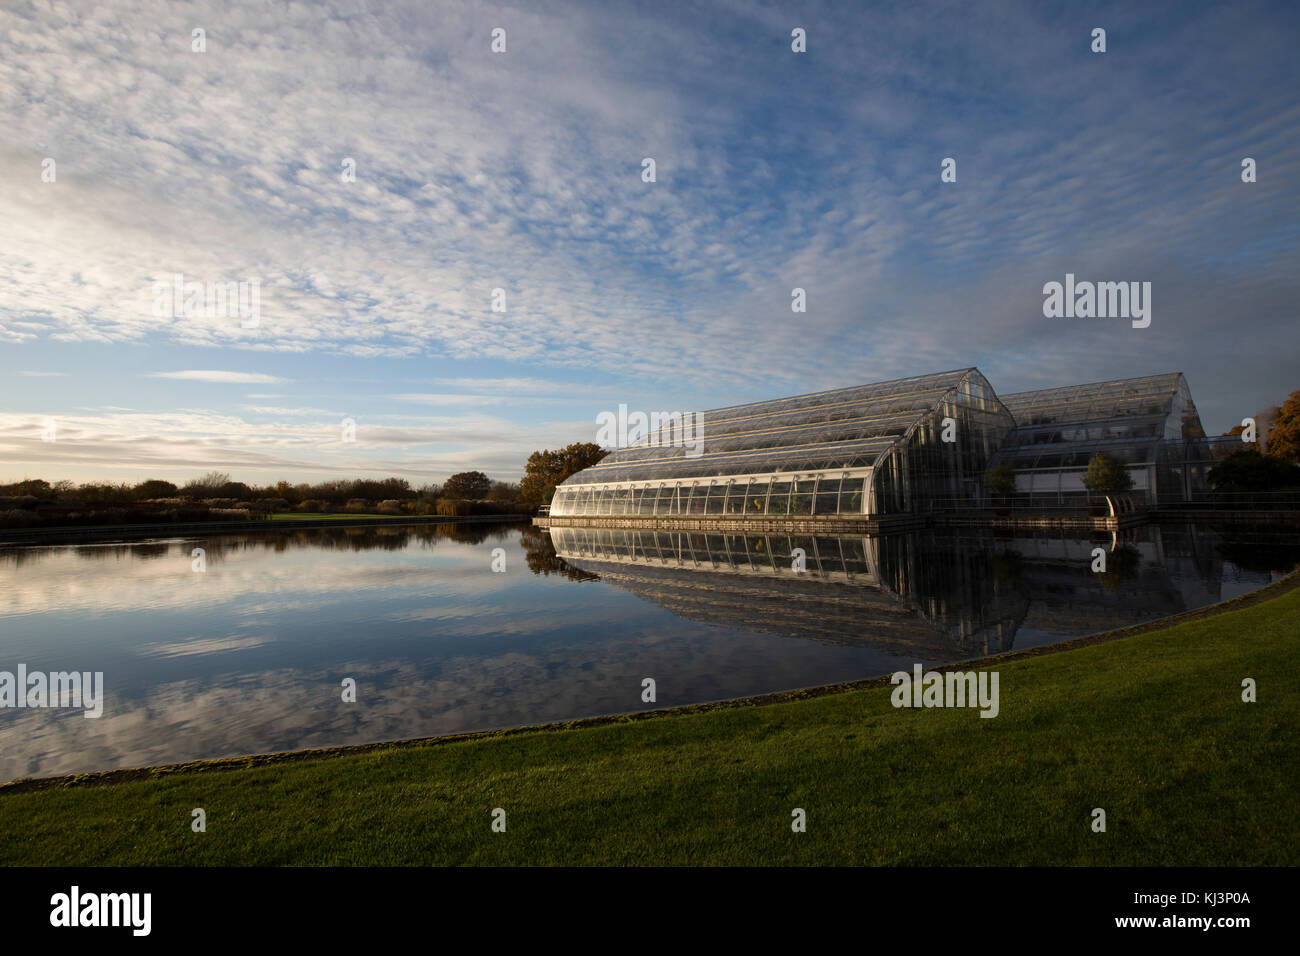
250	654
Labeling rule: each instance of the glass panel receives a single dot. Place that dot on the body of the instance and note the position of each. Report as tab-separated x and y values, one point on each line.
851	496
755	498
695	504
780	502
826	504
828	494
736	498
717	499
801	500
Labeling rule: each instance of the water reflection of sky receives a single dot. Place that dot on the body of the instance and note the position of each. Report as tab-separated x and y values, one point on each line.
249	655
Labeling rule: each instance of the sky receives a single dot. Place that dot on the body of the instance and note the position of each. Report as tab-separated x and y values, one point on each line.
378	170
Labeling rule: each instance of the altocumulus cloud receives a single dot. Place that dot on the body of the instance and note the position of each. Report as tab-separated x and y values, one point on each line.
521	171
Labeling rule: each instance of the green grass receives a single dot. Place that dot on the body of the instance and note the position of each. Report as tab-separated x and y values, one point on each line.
1151	728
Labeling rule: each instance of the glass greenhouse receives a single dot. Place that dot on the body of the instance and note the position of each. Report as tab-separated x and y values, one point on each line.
1149	423
866	450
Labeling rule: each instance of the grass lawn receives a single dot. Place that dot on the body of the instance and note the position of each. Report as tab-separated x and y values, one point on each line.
1151	728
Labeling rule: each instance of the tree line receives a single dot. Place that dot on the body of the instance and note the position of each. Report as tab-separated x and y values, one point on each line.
35	502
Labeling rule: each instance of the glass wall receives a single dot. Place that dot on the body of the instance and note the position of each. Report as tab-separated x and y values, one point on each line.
817	494
900	447
807	456
1151	424
941	463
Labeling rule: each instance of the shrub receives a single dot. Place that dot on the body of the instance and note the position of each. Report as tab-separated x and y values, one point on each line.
231	514
468	484
1247	470
38	487
153	488
389	507
15	518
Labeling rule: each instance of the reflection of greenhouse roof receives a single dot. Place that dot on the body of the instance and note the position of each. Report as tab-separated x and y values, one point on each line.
841	428
824	611
746	581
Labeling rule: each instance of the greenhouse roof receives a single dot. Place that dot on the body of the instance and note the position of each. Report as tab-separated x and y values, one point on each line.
837	429
1152	395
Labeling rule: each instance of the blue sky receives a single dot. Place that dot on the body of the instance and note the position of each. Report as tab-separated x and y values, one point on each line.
522	171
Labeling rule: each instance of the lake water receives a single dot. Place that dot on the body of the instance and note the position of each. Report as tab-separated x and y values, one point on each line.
250	654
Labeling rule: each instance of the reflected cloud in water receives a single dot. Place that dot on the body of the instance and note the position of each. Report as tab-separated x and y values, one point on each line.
250	655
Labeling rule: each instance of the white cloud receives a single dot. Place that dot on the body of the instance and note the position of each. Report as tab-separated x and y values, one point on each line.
217	375
477	171
447	398
179	444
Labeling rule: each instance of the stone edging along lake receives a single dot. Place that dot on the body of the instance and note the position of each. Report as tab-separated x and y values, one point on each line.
99	778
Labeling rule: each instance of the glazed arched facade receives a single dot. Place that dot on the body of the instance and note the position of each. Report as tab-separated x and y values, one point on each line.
866	450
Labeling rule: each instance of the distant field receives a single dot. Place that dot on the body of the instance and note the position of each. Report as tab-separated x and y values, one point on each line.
308	516
1151	728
